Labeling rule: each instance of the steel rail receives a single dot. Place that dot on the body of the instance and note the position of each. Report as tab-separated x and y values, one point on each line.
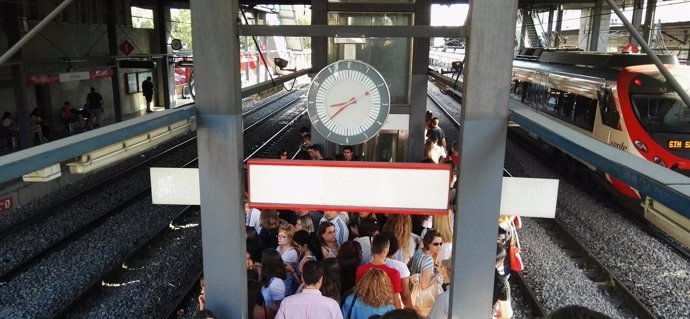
115	267
65	240
452	119
6	231
263	119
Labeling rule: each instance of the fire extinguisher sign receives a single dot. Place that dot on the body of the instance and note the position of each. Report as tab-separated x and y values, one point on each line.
5	204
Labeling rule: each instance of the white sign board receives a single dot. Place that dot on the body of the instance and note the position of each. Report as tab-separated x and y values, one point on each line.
529	197
175	186
355	186
349	186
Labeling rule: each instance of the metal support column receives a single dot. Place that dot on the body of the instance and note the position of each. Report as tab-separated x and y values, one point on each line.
167	73
319	59
220	140
12	27
559	24
420	68
484	121
636	19
549	30
649	21
111	21
523	30
595	26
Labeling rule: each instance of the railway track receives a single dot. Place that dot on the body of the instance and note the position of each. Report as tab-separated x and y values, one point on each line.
623	289
94	284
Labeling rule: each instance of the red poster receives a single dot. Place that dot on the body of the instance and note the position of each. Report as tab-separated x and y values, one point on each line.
42	79
5	204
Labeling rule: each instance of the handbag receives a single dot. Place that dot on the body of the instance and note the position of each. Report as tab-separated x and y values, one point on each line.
424	298
516	263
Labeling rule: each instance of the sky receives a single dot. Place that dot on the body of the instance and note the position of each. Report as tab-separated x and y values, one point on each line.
667	11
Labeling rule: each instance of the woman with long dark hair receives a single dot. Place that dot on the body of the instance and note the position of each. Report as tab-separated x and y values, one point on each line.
329	244
272	279
349	258
331	279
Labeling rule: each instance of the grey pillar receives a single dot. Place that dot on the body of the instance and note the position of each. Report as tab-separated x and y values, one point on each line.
559	23
420	68
636	19
167	83
523	30
319	45
219	132
485	118
649	20
12	27
111	21
595	26
550	28
319	59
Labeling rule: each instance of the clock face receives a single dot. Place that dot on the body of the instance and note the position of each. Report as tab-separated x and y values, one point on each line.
348	102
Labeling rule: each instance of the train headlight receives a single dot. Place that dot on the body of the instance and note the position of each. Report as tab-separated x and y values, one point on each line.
640	146
659	161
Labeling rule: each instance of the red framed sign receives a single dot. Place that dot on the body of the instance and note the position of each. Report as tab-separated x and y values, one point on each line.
392	188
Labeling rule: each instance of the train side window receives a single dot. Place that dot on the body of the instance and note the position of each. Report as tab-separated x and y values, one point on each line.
583	115
609	115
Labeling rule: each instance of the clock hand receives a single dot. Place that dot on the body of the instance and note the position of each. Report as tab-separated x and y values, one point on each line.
346	104
350	101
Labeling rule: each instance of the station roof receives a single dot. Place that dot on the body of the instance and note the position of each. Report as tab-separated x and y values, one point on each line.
533	4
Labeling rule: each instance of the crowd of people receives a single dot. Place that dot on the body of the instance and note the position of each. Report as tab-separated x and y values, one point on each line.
73	119
330	264
361	265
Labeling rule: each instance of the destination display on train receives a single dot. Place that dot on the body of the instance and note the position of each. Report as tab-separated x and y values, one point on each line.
679	144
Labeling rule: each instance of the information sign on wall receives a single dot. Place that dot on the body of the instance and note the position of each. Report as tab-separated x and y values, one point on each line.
6	204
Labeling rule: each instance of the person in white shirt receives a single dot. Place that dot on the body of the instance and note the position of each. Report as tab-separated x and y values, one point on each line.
367	228
406	294
252	217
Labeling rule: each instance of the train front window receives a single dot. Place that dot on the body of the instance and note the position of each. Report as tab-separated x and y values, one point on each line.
662	113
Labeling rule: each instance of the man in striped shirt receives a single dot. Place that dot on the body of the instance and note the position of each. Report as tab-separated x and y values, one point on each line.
342	233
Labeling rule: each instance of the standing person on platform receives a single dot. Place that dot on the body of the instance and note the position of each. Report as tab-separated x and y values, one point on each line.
272	279
94	102
315	152
437	132
349	153
405	294
310	303
372	296
147	89
329	245
341	230
379	251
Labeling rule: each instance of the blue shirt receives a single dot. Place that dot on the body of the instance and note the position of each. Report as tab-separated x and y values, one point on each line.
361	310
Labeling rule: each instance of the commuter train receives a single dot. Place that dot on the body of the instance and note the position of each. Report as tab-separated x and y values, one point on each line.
621	100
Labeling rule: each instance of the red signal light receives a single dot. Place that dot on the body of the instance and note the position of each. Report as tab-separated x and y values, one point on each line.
637	82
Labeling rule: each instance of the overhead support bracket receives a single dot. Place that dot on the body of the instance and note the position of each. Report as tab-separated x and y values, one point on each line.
352	31
259	87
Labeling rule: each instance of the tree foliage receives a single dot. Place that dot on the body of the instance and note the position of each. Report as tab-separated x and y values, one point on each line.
181	26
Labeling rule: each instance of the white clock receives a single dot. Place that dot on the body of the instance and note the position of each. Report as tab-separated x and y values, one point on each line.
348	102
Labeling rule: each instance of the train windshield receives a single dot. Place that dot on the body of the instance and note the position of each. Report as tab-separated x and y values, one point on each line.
662	113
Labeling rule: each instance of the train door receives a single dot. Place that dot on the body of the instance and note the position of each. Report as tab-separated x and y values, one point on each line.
608	127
